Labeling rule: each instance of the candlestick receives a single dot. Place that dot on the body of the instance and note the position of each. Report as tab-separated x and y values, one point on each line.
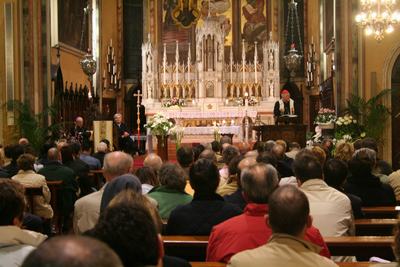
243	62
255	62
231	65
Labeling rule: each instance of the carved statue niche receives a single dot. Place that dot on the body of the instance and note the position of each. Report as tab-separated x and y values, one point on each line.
209	89
259	91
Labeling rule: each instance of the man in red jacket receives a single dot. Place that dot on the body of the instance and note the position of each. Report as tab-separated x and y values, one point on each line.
249	230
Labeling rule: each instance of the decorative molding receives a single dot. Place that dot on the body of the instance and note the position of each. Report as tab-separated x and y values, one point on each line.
71	50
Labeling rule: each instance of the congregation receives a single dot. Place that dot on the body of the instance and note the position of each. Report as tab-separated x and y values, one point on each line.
275	203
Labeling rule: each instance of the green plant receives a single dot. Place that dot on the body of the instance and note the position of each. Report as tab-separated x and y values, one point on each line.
371	114
33	126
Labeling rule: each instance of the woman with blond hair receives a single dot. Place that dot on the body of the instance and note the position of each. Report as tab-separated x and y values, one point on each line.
344	151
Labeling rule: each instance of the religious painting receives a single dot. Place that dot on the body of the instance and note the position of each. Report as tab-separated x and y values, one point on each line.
73	23
185	14
220	10
171	30
254	23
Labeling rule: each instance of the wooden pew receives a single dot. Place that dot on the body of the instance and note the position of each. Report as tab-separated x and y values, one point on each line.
55	187
363	247
381	212
30	193
377	227
194	248
341	264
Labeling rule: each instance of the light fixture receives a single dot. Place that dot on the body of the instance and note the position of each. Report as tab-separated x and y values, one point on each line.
378	17
293	57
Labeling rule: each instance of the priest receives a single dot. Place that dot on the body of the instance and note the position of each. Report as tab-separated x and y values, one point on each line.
284	106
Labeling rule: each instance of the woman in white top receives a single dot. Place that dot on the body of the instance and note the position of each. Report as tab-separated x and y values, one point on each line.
28	178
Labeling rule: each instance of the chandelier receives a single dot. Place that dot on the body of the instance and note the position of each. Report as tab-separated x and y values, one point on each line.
293	57
378	17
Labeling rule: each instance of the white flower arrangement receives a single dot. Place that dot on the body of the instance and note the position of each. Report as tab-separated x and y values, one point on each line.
159	125
216	133
325	116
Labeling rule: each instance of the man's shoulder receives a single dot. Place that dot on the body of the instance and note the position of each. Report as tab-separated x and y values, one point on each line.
251	257
92	199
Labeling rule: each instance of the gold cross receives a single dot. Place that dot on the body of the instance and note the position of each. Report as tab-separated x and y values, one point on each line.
138	95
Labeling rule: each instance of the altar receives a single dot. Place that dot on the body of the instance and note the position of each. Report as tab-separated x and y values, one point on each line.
211	90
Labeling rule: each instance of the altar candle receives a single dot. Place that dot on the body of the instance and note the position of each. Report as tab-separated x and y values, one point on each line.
255	62
193	102
226	101
243	62
104	74
110	42
164	63
223	122
231	65
232	122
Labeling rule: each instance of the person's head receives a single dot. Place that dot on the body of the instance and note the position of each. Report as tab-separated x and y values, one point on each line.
370	143
147	175
216	146
259	146
225	139
267	158
67	154
208	154
327	144
12	202
358	144
25	162
229	153
293	146
278	151
319	153
282	143
258	182
269	145
153	161
73	251
105	141
197	151
14	151
116	164
102	147
172	177
76	148
53	154
79	122
129	229
204	177
289	211
285	95
23	141
335	172
233	167
118	118
118	184
344	151
184	156
86	147
363	162
306	166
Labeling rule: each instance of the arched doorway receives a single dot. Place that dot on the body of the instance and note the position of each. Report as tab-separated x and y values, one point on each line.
396	114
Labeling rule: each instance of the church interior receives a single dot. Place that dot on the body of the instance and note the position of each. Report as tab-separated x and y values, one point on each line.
172	82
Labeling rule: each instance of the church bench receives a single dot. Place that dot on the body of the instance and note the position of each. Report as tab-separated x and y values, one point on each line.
378	227
30	193
341	264
194	248
55	187
381	212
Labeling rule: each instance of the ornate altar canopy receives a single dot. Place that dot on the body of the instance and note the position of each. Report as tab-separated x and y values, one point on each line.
210	89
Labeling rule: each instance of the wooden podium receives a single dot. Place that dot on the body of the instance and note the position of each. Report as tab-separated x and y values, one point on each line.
289	133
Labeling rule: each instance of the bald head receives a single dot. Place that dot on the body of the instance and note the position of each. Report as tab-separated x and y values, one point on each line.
289	211
208	154
23	141
79	121
247	162
258	182
53	154
153	161
73	251
116	164
279	151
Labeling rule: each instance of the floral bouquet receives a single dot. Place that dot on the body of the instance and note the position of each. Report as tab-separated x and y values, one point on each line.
177	133
159	125
325	116
347	128
174	102
216	133
253	101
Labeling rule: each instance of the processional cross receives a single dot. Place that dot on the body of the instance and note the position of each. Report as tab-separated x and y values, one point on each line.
138	95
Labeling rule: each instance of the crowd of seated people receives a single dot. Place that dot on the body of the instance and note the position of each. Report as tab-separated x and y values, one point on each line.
274	203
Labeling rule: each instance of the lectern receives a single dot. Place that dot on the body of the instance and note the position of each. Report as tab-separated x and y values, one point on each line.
287	132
